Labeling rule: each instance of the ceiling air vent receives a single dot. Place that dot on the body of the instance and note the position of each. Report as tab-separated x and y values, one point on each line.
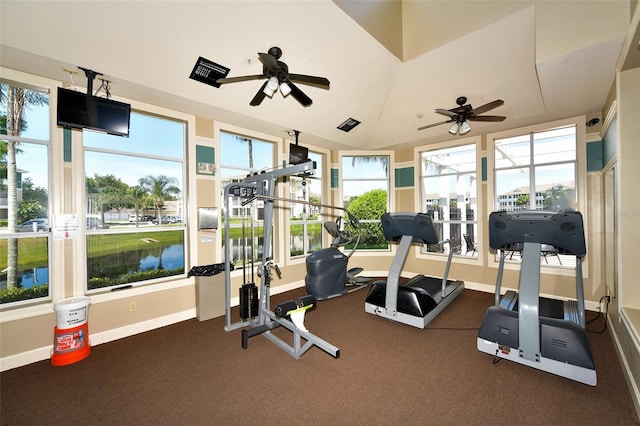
348	124
208	72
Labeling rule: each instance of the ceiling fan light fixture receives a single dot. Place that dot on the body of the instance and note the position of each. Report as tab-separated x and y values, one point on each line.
271	87
453	129
465	127
285	89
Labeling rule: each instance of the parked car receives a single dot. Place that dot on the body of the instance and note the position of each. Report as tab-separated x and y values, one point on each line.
95	223
132	218
168	219
34	225
173	219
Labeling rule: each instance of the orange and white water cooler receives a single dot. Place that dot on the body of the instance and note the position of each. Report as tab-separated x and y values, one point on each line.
71	334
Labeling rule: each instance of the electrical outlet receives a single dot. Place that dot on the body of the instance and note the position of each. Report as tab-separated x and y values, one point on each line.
133	306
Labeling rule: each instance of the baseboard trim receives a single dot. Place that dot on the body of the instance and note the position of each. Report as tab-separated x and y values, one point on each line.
626	368
40	354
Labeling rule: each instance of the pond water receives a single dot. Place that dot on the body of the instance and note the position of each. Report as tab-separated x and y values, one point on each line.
159	257
113	265
29	278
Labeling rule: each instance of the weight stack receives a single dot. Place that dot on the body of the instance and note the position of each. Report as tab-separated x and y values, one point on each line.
248	301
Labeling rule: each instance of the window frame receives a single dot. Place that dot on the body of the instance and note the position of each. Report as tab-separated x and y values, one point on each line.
325	172
189	206
420	202
581	181
390	191
278	220
420	253
29	308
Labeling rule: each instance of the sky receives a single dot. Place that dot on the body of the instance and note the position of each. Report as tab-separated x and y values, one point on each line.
148	135
33	158
362	176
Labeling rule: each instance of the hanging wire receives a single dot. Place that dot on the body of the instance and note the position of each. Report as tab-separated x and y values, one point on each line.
73	83
496	358
106	86
606	299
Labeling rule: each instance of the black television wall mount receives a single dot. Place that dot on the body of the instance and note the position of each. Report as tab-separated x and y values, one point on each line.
91	75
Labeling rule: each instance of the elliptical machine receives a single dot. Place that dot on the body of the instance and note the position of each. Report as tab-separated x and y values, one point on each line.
327	274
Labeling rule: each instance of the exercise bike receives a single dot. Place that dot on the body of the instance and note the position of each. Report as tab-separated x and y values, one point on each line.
327	274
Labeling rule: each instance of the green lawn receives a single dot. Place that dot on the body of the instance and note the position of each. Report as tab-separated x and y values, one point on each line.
32	252
105	244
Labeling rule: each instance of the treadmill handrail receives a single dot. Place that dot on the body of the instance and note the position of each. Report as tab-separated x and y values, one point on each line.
446	268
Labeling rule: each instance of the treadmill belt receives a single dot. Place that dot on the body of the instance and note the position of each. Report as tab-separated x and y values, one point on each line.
548	308
431	285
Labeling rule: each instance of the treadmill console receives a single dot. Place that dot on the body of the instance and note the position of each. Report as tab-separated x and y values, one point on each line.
563	230
417	225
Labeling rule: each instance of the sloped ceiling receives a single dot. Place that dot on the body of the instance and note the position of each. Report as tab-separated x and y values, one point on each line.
390	63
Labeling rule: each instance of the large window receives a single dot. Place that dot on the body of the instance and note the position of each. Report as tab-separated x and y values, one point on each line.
449	195
135	211
306	219
24	193
536	170
365	193
241	156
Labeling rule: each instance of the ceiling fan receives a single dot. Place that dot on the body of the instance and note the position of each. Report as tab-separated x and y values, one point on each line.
277	74
462	114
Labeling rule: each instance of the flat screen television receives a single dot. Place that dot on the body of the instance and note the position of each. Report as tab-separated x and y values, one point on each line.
298	154
81	111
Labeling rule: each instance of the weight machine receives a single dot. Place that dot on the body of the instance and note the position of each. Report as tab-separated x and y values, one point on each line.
256	314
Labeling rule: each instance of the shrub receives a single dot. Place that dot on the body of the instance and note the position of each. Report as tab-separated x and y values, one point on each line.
8	295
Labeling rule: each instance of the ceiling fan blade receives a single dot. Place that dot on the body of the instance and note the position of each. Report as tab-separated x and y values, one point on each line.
257	99
488	107
487	118
241	78
299	95
446	112
435	124
269	61
309	79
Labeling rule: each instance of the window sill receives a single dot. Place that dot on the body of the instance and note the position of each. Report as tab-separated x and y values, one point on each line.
15	313
140	290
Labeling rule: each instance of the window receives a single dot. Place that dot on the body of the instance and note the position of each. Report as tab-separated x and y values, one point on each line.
306	220
365	193
24	193
449	195
537	171
241	156
135	213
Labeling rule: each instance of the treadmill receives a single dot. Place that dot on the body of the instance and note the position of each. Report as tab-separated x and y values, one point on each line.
547	334
417	301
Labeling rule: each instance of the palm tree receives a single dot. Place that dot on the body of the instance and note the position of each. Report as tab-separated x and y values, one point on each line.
250	143
160	187
368	159
17	100
138	194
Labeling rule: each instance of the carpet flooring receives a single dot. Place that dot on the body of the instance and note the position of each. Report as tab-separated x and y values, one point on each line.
195	373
